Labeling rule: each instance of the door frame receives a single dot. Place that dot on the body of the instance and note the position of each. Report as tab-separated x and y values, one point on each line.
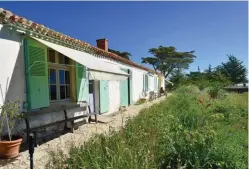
94	100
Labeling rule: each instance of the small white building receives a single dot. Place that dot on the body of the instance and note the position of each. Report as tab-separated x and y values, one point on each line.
45	69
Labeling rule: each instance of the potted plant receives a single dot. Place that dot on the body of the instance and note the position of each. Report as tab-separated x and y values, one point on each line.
9	143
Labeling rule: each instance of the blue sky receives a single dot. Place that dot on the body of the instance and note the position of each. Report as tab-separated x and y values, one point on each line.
212	29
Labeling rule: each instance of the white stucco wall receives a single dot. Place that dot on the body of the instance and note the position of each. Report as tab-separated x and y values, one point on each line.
12	70
137	79
157	86
137	84
163	83
114	96
151	83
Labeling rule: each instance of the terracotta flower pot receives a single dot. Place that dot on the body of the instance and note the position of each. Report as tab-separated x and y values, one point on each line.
10	149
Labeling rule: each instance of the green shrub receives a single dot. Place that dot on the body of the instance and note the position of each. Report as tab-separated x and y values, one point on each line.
222	94
188	130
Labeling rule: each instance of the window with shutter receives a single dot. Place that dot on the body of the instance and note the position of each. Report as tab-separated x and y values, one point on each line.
60	76
36	74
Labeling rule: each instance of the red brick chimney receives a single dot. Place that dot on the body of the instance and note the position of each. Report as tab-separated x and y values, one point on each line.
102	44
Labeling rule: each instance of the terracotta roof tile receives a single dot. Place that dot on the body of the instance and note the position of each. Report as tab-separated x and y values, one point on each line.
6	17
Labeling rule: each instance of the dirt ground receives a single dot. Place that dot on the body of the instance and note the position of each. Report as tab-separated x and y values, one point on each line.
82	134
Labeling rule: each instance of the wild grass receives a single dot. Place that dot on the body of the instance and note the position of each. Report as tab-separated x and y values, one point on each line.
191	129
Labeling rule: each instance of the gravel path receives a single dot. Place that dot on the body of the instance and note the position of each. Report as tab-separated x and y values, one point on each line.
82	134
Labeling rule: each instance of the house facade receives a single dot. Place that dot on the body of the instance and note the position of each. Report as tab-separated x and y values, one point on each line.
45	69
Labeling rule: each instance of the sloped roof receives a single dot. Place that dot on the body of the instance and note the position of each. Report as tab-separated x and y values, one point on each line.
8	18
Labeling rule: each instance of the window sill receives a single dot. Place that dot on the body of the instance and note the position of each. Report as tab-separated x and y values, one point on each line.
56	107
62	103
65	101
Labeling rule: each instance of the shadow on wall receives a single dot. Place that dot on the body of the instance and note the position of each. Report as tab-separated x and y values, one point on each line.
17	85
12	79
12	86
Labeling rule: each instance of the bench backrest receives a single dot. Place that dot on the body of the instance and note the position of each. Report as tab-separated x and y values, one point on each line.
61	110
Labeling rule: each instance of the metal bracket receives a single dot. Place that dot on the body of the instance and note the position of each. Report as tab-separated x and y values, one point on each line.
10	30
25	105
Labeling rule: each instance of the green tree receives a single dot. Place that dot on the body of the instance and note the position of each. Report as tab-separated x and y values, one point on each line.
167	59
233	69
125	55
209	70
218	76
177	78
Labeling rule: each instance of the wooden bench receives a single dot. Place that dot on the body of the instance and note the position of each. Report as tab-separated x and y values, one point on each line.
58	109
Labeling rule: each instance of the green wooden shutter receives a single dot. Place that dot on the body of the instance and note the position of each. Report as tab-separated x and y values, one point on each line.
104	96
124	97
130	85
82	83
36	74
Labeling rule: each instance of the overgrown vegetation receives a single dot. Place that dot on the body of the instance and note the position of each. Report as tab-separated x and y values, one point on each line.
191	129
231	72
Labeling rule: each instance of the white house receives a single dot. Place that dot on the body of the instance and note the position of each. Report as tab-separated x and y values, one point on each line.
44	68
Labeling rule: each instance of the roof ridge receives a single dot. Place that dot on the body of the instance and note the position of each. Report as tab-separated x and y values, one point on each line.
7	17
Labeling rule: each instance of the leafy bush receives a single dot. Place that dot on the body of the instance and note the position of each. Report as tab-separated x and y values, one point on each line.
9	117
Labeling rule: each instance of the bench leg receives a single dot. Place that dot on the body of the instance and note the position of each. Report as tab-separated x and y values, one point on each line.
72	127
35	143
27	137
96	119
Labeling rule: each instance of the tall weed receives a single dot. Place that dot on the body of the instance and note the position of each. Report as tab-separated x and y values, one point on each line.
188	130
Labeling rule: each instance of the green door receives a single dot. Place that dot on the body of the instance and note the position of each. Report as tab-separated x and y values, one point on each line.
124	91
104	96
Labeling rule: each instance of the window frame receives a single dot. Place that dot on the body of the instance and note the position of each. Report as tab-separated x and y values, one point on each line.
57	67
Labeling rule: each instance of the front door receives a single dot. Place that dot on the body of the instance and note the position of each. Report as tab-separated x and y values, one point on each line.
104	96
